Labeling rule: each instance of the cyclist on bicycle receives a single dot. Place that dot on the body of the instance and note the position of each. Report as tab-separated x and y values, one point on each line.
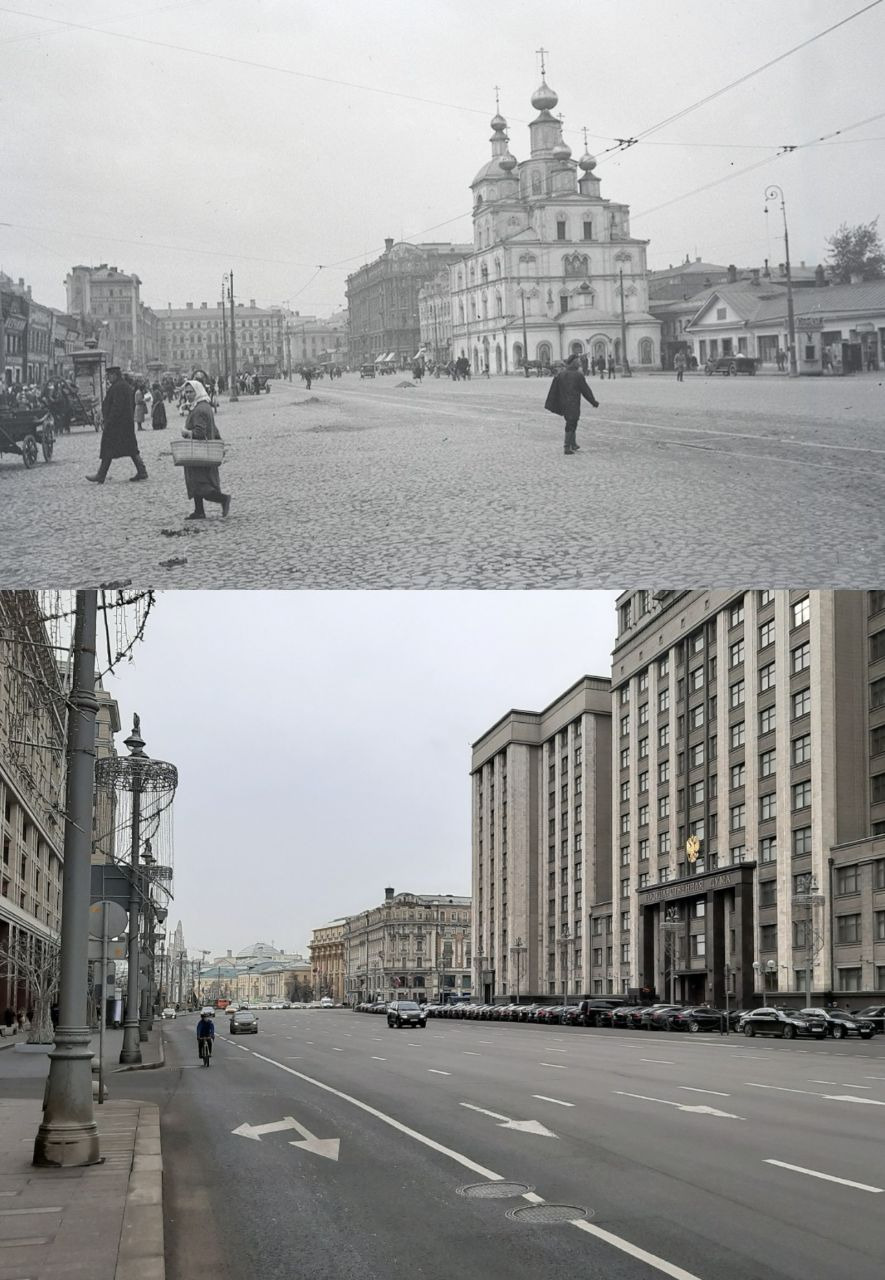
205	1031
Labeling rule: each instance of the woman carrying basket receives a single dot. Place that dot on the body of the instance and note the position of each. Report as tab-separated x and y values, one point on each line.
203	481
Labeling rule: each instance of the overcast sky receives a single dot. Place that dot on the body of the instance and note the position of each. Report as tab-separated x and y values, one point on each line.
179	140
323	739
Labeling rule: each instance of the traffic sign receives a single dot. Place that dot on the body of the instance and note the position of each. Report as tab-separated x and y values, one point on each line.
117	919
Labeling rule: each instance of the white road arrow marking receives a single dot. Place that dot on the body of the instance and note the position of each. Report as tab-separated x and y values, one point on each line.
812	1093
524	1126
681	1106
327	1147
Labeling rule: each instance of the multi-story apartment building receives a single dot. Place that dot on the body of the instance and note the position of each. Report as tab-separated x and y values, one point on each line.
111	300
749	794
410	947
541	784
310	340
327	960
198	337
382	299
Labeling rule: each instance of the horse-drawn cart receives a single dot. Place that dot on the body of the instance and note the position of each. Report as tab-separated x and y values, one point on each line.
25	432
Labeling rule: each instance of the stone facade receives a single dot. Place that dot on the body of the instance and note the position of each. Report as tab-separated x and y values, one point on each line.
411	947
194	337
541	790
553	268
327	960
111	300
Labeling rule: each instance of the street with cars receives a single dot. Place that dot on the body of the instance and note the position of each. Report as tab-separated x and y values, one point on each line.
332	1144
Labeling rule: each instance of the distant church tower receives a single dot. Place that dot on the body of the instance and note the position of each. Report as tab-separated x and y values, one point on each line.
554	269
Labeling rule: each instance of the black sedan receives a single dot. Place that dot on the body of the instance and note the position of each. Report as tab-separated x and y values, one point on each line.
785	1023
874	1013
730	365
841	1023
699	1018
244	1022
405	1013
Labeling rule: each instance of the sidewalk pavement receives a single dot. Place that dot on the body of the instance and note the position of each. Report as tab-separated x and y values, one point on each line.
101	1222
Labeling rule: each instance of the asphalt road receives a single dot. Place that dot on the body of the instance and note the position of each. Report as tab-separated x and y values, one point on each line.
378	484
657	1149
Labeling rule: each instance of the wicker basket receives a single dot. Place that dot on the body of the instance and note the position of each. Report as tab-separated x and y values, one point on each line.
197	453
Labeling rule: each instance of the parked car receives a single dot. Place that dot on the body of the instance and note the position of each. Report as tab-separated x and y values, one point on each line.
841	1023
785	1023
244	1021
729	365
701	1017
874	1013
654	1016
622	1017
405	1013
168	1013
549	1014
588	1010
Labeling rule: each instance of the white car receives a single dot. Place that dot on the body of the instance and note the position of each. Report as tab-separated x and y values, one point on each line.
327	1003
167	1013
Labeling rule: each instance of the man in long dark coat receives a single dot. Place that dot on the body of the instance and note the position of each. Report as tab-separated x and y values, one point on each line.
118	429
564	398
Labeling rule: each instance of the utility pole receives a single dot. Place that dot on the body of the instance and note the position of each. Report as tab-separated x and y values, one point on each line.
626	372
525	339
518	949
564	940
224	322
234	394
771	193
68	1135
131	1050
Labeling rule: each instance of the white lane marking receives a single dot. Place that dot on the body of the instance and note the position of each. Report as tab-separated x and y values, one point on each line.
434	1072
874	1077
557	1066
414	1044
682	1106
689	1089
828	1177
308	1042
532	1197
389	1120
663	1061
559	1102
471	1053
523	1126
813	1093
335	1049
373	1037
484	1042
844	1084
557	1050
375	1058
652	1260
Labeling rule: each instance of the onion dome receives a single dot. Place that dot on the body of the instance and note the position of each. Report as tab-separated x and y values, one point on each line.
544	99
562	151
499	124
507	162
587	162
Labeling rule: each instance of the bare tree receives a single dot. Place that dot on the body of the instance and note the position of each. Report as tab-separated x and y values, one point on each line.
37	963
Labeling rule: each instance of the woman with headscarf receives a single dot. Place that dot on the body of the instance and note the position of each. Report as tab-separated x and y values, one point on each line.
203	482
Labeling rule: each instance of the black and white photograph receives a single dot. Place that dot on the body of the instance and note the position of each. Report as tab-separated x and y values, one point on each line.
442	595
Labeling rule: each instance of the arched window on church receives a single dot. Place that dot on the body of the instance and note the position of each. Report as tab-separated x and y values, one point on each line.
485	305
498	267
646	351
499	303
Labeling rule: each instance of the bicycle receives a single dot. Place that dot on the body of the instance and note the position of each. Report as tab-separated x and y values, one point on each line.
206	1050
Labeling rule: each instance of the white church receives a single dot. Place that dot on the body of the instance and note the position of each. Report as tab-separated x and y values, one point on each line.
554	268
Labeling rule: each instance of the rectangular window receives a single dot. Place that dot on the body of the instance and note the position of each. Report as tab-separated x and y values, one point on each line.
663	700
767	893
801	703
768	937
663	842
698	944
767	806
625	856
696	644
736	735
643	879
736	694
664	807
850	979
588	230
877	693
736	653
767	720
736	615
768	849
643	850
801	841
848	928
696	679
738	775
879	873
625	758
643	782
643	748
696	716
738	854
664	667
801	749
767	764
696	755
664	771
643	815
879	926
643	713
625	791
800	658
625	887
737	817
664	733
766	634
625	726
801	795
560	231
801	611
697	793
847	880
766	677
643	682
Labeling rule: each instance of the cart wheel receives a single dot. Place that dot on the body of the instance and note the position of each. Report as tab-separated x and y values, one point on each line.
29	450
48	440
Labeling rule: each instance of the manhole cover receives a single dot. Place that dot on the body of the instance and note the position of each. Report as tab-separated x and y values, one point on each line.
494	1190
547	1213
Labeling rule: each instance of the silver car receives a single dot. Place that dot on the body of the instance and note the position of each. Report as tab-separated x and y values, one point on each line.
243	1022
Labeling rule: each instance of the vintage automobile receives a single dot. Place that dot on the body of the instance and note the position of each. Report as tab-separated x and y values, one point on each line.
729	365
367	371
24	431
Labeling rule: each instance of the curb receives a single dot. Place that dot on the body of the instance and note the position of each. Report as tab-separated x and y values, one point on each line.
141	1254
145	1066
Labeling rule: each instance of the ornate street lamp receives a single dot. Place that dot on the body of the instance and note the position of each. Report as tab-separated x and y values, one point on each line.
771	193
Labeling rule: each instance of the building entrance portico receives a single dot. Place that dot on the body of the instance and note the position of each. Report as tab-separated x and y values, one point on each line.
696	935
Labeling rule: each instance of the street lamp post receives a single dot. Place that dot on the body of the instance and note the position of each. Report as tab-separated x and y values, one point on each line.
68	1135
564	940
518	950
233	394
224	325
771	193
131	1051
806	898
626	371
670	927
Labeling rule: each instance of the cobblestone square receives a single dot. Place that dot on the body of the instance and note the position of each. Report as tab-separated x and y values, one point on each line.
385	484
